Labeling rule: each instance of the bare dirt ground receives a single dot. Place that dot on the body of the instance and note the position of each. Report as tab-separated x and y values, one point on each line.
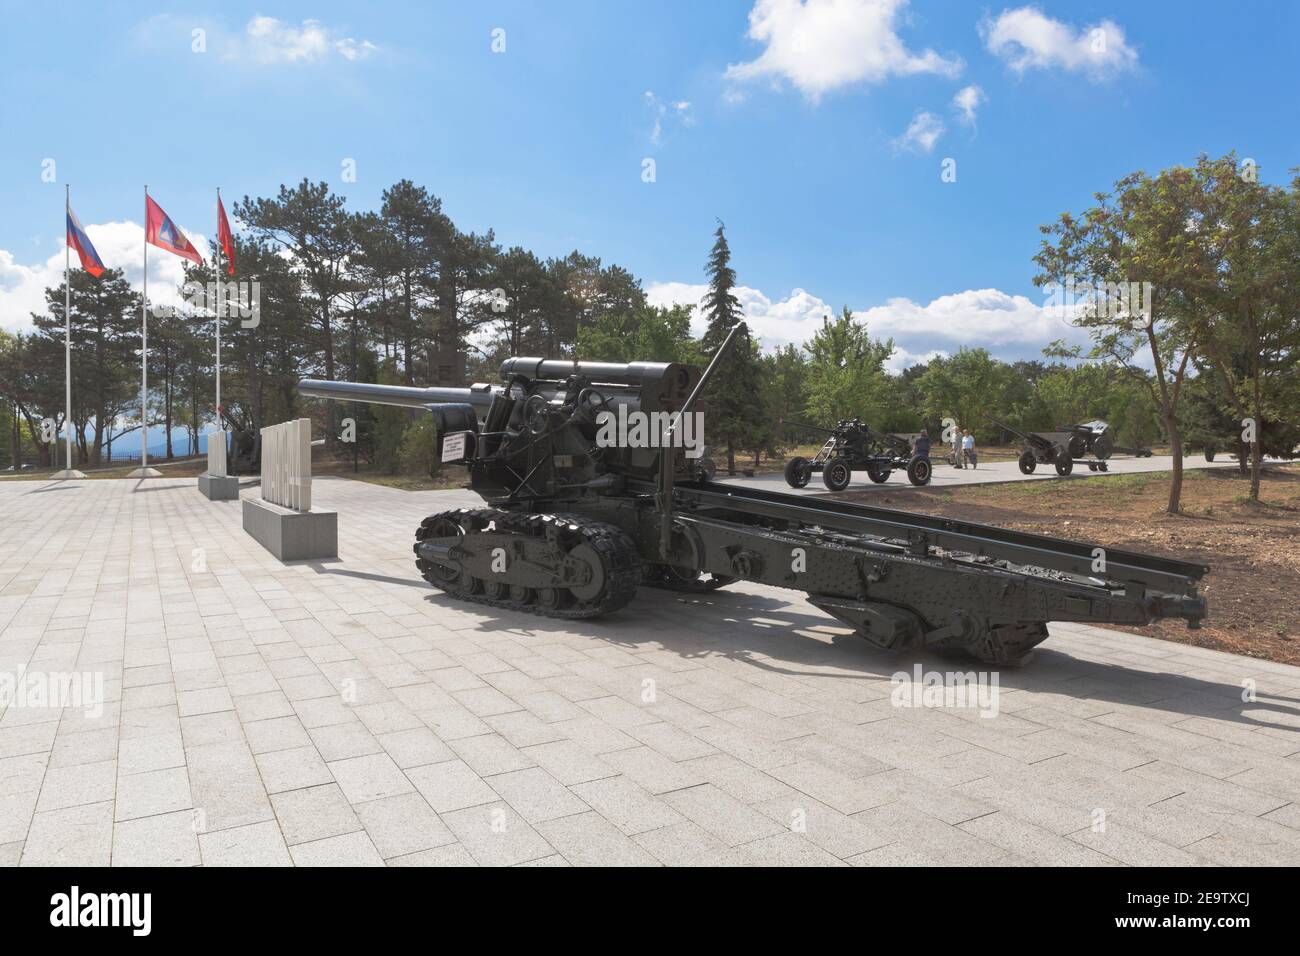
1253	587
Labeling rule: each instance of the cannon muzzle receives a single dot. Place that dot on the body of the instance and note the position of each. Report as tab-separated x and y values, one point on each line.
479	396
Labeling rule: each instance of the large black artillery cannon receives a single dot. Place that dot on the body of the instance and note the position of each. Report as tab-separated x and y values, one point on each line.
1068	446
851	446
573	525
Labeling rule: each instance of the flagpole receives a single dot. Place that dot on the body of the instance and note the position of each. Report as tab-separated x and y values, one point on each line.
144	348
67	322
219	284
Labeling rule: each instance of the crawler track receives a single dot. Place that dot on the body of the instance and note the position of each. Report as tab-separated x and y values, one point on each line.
620	565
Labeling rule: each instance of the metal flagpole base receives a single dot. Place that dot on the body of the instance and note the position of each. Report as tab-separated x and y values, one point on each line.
67	473
145	473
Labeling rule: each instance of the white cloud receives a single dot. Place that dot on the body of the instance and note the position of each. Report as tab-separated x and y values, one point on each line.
793	319
903	359
1026	38
679	111
922	133
967	101
269	40
351	49
119	244
1011	327
822	45
986	318
263	40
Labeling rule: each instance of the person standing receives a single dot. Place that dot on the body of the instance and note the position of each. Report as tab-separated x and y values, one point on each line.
968	447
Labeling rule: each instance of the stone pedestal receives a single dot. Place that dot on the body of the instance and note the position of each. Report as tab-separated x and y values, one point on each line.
67	473
219	487
292	535
145	473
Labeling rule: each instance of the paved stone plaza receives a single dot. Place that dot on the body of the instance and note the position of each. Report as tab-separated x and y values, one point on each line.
344	713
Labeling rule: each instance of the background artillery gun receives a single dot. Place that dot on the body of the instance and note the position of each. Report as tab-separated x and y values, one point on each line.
572	529
244	456
853	445
1069	446
1099	441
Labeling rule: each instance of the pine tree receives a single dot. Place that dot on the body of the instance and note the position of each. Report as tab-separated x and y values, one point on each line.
735	414
720	304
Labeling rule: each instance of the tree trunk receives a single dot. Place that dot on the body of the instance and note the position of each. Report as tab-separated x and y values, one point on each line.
42	449
1256	446
731	457
1176	449
167	400
331	413
409	345
16	440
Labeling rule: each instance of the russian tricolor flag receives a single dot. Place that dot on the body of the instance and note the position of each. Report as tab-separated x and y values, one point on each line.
78	240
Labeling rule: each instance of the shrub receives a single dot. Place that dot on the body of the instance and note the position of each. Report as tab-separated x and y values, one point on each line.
419	451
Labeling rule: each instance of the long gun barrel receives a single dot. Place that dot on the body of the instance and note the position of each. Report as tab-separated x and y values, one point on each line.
640	374
479	396
814	428
1033	439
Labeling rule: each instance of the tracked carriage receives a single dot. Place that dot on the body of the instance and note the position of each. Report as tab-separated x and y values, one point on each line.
572	527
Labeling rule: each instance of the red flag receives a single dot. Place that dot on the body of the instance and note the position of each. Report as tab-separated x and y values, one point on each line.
226	240
162	232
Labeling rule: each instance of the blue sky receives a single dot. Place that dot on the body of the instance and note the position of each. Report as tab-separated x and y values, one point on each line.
796	133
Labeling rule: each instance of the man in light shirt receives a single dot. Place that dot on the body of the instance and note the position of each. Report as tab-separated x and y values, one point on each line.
968	447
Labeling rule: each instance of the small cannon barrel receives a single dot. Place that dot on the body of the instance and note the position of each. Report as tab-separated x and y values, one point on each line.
1008	428
479	395
639	374
813	428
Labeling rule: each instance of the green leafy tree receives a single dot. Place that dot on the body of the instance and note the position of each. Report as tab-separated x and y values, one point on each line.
408	239
647	333
525	296
419	448
845	376
787	370
390	424
1246	303
1141	237
105	356
969	388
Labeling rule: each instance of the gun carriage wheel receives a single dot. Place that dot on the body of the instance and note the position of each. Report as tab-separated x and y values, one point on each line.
797	472
919	471
837	474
